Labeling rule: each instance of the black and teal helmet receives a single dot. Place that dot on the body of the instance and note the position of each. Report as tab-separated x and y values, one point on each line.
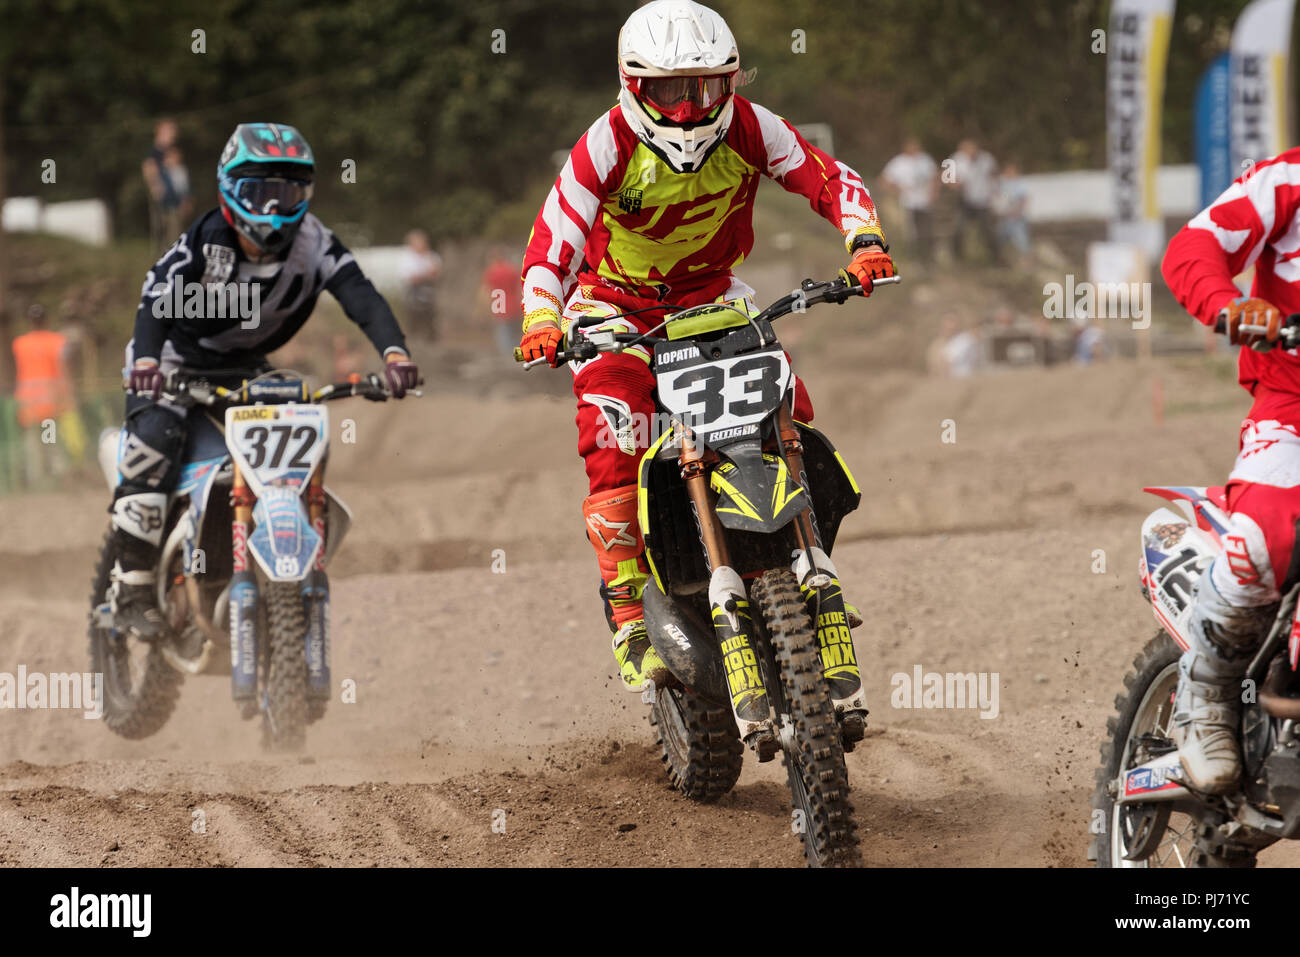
264	181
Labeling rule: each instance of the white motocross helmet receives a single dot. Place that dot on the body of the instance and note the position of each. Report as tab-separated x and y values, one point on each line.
678	64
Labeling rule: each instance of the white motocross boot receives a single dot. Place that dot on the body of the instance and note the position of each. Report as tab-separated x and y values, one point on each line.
1205	726
1207	706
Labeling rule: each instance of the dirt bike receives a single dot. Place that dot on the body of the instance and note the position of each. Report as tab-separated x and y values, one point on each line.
739	509
1145	812
247	535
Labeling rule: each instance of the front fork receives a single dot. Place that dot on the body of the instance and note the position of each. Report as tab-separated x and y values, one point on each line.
820	584
316	597
729	610
244	599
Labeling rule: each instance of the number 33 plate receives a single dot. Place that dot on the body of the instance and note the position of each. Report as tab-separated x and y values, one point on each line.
725	393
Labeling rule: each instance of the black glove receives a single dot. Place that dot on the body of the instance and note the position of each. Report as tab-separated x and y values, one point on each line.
146	379
401	374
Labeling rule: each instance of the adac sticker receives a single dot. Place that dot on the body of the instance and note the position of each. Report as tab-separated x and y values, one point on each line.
252	412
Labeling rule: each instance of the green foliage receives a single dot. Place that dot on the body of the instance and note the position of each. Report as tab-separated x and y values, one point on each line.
448	135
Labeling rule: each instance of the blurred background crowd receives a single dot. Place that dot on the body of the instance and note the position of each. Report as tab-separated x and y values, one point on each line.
439	126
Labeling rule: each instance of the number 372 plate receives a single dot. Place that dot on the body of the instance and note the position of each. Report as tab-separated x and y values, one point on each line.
277	444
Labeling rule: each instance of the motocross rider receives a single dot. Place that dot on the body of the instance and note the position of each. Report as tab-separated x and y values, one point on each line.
1254	223
653	211
262	238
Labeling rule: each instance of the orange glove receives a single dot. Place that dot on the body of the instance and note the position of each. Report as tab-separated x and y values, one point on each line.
869	262
542	337
1258	313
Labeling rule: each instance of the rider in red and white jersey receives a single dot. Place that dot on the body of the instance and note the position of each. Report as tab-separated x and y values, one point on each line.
1256	222
651	212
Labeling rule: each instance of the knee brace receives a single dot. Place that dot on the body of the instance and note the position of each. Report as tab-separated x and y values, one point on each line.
615	535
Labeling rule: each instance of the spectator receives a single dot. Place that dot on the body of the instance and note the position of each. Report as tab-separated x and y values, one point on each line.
1090	343
1013	212
501	290
958	352
974	174
914	177
419	269
52	430
168	182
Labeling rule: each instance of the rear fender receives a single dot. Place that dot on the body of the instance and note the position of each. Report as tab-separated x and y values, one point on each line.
1206	506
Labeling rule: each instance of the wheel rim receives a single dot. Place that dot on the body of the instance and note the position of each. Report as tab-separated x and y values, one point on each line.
1154	716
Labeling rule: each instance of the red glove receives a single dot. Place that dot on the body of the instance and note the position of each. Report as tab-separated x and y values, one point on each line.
401	373
1261	314
542	337
869	263
146	379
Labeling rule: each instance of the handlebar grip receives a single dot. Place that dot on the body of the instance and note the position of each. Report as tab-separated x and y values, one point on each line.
519	354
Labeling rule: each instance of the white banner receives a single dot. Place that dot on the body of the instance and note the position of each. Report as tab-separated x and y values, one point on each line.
1137	46
1258	62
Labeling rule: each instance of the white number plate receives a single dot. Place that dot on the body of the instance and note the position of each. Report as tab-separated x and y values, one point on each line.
277	444
725	393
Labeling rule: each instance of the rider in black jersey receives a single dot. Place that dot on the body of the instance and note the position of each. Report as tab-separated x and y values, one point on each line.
238	284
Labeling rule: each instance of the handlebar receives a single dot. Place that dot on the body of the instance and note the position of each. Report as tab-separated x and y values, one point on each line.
197	388
1288	336
809	293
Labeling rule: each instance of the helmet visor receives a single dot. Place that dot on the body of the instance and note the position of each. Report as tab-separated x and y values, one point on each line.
685	99
272	196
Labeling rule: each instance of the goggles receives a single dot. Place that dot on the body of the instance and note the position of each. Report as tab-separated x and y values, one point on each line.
684	99
273	196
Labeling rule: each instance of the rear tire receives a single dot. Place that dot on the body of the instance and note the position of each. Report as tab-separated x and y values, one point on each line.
135	706
698	744
1144	709
819	778
284	714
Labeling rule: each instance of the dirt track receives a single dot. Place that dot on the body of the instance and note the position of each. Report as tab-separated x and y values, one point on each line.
481	693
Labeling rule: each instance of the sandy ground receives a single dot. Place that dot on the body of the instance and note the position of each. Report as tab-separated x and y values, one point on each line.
489	698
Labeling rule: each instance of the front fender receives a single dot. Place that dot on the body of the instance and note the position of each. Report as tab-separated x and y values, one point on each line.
283	542
756	492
